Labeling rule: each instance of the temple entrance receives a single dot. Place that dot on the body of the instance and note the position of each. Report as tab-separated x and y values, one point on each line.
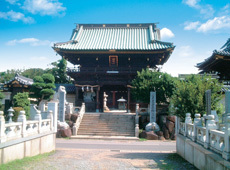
114	93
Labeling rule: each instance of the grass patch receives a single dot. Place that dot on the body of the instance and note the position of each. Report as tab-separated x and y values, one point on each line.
20	163
173	162
142	139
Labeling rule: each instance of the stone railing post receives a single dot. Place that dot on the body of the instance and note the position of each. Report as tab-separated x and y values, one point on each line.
226	153
54	107
2	128
177	125
50	116
10	114
137	121
22	118
187	120
197	122
39	118
210	125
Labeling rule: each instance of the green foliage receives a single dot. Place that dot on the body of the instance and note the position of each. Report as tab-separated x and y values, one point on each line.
189	95
1	97
8	75
22	100
32	72
148	81
16	113
59	72
42	87
29	162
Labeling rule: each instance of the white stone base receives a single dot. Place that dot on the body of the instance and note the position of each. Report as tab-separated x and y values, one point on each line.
26	147
199	156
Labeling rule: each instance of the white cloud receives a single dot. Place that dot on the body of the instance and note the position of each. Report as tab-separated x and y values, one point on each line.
166	33
185	51
225	10
16	16
216	23
207	11
191	25
192	3
30	41
44	7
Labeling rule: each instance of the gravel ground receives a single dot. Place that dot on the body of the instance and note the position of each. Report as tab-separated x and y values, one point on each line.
70	159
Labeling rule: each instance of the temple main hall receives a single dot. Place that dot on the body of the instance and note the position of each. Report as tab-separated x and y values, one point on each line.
106	58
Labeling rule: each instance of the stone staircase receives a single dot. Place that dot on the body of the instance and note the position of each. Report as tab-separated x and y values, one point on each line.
107	124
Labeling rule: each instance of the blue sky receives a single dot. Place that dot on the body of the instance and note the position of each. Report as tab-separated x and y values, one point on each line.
28	28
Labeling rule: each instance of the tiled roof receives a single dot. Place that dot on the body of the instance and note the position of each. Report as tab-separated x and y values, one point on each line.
22	80
115	37
225	51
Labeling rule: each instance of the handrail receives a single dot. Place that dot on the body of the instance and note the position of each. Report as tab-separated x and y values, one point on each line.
79	119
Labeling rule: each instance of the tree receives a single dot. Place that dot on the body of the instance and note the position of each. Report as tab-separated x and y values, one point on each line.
22	100
42	87
32	72
189	95
1	97
147	81
8	75
59	71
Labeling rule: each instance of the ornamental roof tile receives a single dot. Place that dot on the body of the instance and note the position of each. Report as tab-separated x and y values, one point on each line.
115	37
225	51
21	79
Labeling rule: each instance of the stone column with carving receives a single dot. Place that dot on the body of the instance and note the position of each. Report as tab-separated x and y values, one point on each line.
188	119
50	116
38	117
210	125
137	121
22	118
197	122
54	107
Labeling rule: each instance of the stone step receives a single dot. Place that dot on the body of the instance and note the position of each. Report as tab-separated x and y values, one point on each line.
107	125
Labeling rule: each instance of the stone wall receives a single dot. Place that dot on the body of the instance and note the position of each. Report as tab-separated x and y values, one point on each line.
198	156
26	147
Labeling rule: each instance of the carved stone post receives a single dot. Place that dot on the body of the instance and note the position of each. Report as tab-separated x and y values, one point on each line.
137	121
50	116
2	128
10	114
54	107
39	118
187	120
197	122
226	153
22	118
210	124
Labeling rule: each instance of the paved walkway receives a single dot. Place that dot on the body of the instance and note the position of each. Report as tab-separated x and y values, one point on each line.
109	155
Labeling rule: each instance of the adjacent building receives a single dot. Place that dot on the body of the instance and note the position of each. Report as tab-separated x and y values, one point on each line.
218	62
107	58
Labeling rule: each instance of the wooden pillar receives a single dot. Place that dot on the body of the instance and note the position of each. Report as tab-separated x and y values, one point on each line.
114	99
76	96
98	102
128	102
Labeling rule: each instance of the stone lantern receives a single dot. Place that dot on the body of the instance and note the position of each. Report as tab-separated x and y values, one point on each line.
121	104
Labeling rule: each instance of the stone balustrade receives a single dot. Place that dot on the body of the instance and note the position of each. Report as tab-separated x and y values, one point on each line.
206	133
79	119
23	128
